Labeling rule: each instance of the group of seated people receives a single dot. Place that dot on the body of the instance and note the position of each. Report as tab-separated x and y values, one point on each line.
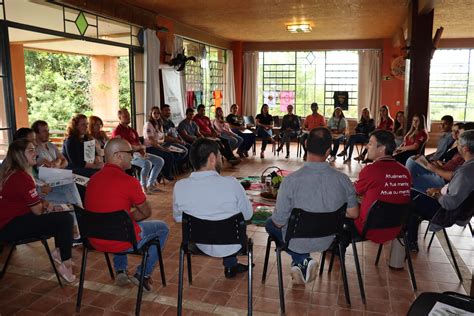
315	187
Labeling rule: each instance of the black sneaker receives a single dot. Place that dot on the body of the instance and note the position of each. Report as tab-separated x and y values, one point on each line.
233	271
413	247
147	282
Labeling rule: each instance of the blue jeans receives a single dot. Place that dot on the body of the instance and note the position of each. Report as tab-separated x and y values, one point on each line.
150	230
151	167
425	207
276	233
265	135
167	157
286	138
355	139
234	140
423	178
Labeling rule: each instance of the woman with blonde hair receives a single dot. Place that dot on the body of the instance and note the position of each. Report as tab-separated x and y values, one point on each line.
22	210
414	140
399	127
81	159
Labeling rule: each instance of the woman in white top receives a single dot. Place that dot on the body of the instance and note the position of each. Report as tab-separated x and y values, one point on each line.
224	130
337	124
154	140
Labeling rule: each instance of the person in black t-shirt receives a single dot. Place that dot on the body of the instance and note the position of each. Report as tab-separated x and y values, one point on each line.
264	128
290	127
237	125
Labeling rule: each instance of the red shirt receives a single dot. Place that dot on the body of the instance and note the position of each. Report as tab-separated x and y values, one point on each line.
17	196
127	133
385	180
204	124
313	121
419	138
455	162
109	190
386	125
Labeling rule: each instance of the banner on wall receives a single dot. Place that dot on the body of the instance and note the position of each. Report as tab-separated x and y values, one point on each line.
341	100
172	93
270	98
286	98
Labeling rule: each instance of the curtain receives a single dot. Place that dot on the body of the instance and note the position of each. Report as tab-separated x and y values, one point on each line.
229	91
369	82
178	48
250	95
151	69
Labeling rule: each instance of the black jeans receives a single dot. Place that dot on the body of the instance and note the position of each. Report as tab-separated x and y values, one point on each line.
355	139
403	156
58	225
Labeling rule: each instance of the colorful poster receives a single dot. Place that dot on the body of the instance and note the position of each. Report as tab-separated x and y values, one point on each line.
269	98
286	98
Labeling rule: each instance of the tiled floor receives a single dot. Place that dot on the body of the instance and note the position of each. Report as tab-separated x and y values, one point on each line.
30	288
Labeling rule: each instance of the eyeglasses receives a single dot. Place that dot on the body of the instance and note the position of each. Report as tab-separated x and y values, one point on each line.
125	151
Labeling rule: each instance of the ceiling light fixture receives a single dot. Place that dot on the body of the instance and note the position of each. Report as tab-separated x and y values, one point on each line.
299	28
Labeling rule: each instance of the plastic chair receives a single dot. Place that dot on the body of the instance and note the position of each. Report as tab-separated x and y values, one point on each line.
220	232
303	224
114	226
383	215
464	212
13	244
425	301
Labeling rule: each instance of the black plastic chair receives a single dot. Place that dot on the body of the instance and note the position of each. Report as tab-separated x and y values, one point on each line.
303	224
383	215
425	301
221	232
13	244
464	212
114	226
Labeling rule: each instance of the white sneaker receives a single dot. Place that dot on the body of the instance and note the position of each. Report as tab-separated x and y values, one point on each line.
311	270
121	279
297	275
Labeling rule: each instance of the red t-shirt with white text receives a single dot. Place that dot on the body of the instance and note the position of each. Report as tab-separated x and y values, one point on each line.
17	196
388	181
110	190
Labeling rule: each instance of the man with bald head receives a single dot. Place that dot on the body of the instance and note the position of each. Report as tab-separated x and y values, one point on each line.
111	189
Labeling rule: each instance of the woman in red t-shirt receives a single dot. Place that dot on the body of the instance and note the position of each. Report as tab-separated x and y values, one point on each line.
21	207
386	121
414	140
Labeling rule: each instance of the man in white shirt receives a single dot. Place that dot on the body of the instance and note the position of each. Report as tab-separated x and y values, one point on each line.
210	196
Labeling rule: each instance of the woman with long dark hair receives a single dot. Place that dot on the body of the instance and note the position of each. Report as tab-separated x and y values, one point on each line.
399	127
154	141
414	140
365	126
264	122
22	210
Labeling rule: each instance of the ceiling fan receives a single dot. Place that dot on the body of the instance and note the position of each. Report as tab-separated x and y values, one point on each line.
179	62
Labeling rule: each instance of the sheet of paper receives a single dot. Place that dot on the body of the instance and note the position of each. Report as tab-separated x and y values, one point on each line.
81	179
444	309
89	151
55	177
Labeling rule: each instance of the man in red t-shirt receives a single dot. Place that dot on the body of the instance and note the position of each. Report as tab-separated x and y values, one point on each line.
385	180
206	129
311	121
150	165
125	193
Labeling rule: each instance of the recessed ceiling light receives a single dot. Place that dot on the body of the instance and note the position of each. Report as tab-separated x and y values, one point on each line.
299	28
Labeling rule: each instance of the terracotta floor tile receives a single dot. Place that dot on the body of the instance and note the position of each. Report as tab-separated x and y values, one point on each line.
67	308
44	304
376	292
267	305
349	312
24	300
92	311
125	305
9	309
225	285
238	301
114	313
217	298
44	287
298	309
379	306
194	293
298	296
324	299
401	306
104	300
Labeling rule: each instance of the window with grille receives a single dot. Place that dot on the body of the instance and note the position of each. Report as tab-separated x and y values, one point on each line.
206	76
311	76
452	84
